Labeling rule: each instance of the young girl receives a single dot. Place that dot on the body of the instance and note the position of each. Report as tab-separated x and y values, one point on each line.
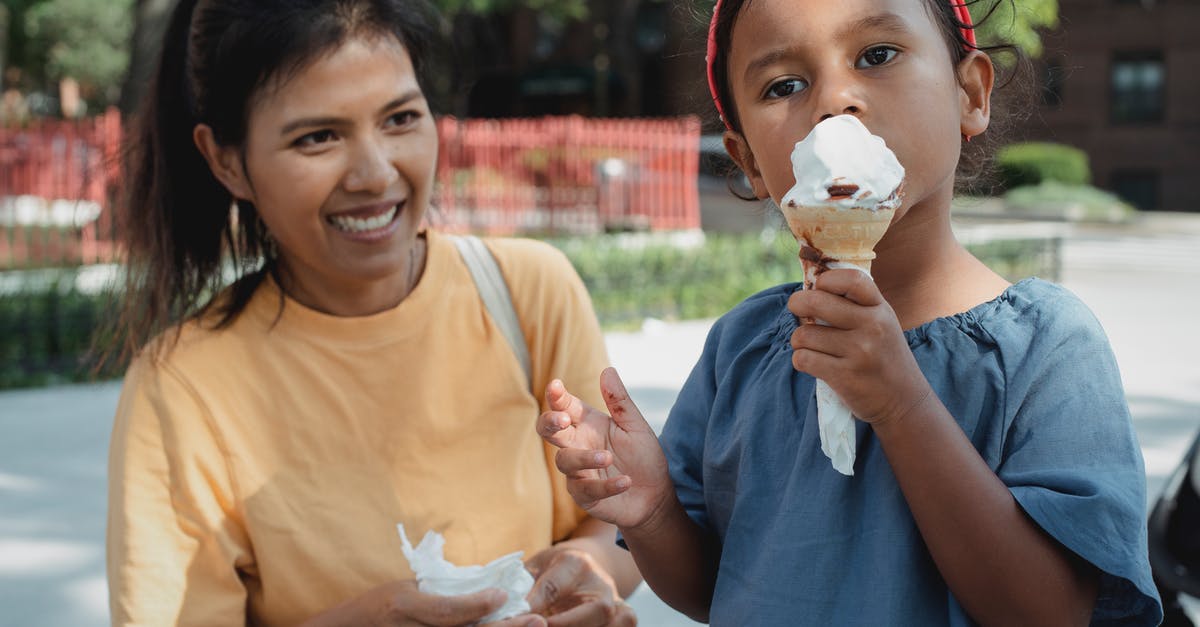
998	479
271	438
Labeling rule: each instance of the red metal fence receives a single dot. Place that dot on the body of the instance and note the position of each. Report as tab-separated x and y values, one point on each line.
57	180
568	175
536	176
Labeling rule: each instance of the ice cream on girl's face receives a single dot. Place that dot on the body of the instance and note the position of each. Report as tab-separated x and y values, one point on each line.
841	164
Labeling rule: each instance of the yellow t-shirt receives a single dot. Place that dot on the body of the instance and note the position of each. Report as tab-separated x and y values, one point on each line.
257	472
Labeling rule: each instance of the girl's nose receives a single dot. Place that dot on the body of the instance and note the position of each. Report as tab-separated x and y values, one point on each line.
849	110
840	95
372	170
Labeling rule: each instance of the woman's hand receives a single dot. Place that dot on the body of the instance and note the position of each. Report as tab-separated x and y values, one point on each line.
572	590
862	353
401	604
614	466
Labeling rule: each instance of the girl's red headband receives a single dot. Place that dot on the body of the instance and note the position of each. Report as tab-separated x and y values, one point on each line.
960	12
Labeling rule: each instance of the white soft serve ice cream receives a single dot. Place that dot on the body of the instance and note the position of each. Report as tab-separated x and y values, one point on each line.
841	152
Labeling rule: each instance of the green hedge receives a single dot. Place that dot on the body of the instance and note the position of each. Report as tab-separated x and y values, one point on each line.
631	282
1032	163
46	334
1069	202
628	282
45	331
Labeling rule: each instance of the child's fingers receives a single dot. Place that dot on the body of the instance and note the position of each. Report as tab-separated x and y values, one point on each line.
587	492
852	284
555	427
831	309
573	461
560	399
624	412
815	363
819	338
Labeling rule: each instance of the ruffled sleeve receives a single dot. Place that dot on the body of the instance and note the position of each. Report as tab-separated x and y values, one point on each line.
1070	454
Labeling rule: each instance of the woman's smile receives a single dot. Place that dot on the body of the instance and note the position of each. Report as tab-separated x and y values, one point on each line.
367	224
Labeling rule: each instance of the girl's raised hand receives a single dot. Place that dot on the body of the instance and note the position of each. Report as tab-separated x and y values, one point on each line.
862	354
614	466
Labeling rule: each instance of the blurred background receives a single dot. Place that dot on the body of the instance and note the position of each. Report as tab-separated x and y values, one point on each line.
588	123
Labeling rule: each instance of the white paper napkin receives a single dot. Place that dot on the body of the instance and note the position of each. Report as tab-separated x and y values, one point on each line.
435	575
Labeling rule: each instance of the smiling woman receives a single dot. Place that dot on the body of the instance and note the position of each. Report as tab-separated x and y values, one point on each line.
339	164
271	434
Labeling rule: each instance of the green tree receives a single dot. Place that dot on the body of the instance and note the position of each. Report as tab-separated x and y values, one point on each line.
13	38
82	39
1016	22
5	14
150	17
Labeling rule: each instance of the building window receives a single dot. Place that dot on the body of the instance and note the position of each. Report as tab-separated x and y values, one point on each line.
1137	187
1138	88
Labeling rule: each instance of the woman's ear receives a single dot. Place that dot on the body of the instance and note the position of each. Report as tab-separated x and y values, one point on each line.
976	76
739	150
224	161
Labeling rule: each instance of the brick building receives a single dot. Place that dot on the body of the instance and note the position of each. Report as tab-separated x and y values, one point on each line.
1121	80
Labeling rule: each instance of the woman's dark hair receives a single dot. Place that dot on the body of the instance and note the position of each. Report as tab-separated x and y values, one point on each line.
972	164
182	230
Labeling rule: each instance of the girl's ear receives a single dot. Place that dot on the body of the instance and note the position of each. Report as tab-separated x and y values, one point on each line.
739	149
224	161
976	76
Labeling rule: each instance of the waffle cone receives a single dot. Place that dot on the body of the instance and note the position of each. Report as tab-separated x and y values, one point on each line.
829	234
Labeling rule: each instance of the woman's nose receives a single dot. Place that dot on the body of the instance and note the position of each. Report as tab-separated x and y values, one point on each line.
372	170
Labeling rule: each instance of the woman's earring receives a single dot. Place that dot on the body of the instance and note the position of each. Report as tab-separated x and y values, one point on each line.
265	240
966	138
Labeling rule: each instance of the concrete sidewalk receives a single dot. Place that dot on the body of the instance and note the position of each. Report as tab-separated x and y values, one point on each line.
53	442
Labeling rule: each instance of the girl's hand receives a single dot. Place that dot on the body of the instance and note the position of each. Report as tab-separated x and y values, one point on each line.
572	590
862	354
615	469
401	604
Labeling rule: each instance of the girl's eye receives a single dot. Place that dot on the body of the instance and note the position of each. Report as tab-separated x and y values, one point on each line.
403	118
876	56
786	87
314	139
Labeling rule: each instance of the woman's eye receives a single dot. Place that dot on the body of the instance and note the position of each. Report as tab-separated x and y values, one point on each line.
876	56
403	118
314	139
785	88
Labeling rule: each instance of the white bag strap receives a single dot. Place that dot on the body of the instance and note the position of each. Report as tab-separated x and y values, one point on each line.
496	297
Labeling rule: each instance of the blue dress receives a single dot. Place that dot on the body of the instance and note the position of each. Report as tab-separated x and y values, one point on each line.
1029	377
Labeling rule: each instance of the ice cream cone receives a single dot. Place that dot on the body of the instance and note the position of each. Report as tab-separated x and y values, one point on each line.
833	234
848	186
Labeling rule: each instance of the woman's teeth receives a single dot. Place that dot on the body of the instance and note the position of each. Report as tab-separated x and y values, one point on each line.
362	225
